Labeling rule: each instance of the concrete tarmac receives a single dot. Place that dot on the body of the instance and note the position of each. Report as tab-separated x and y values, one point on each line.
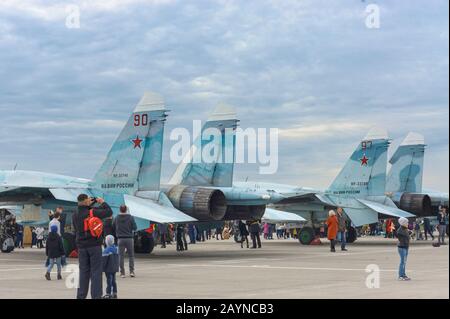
280	269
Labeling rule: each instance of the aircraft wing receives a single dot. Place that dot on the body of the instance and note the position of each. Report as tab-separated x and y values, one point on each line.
385	210
150	210
68	194
276	216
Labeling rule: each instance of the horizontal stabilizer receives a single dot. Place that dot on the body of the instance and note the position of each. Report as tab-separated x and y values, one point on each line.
277	216
360	217
152	211
385	210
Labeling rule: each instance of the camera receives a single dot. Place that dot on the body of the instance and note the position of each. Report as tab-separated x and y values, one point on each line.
94	200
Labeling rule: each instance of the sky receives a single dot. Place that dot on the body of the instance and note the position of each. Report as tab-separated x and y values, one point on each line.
311	68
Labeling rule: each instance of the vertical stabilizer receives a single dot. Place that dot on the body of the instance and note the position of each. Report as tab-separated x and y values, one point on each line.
134	161
220	171
406	172
364	174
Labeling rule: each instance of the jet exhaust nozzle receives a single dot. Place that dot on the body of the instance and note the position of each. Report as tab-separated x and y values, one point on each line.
204	204
417	204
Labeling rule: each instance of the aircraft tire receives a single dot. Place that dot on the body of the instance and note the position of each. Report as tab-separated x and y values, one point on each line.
144	243
351	235
306	235
7	245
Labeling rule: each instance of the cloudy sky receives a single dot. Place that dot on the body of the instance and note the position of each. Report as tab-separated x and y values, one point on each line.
308	67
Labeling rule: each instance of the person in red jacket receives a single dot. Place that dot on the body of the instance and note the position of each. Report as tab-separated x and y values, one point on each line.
332	223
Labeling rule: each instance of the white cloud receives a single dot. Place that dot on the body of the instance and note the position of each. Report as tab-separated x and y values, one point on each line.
310	68
46	11
321	130
77	124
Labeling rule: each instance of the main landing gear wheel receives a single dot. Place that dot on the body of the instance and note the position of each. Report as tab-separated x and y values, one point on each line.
306	235
351	235
144	243
7	245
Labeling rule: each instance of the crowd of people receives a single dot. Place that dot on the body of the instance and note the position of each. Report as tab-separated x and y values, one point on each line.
104	251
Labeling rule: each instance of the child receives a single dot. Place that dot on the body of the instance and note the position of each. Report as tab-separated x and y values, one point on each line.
110	267
403	247
54	250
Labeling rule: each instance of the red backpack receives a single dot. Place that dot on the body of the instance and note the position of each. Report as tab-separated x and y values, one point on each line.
93	224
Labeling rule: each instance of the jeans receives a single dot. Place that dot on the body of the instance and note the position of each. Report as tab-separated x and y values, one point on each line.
90	264
244	238
341	236
128	244
417	234
428	231
191	237
403	252
442	230
180	244
256	239
111	284
19	241
163	240
332	244
54	261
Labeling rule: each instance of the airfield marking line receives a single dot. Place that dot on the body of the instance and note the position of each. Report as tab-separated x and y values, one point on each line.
279	267
22	269
235	261
19	259
350	253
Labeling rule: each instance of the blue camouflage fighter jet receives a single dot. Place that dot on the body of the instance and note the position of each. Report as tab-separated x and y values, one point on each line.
130	175
404	180
359	189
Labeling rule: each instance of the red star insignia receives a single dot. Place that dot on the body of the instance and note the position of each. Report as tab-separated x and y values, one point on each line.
137	142
364	160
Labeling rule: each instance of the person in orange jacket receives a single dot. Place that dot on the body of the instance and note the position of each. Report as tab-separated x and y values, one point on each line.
332	223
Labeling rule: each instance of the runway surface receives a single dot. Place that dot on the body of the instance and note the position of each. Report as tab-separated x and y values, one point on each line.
280	269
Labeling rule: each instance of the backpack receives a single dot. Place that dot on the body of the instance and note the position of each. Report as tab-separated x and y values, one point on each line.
93	224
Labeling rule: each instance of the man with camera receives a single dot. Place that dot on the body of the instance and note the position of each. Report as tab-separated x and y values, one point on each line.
89	246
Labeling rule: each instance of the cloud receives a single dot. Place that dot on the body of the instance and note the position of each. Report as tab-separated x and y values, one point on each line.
310	68
80	124
320	130
58	10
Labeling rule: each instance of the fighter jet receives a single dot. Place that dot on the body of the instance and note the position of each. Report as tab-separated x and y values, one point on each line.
245	203
131	174
359	189
404	180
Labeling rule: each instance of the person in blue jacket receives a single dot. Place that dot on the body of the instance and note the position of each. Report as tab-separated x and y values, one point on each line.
110	258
